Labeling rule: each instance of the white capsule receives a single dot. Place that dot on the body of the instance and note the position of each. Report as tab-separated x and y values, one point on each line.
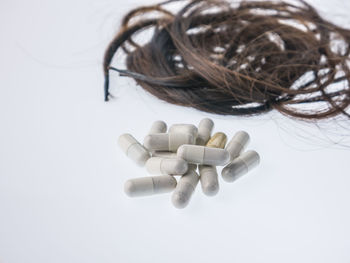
185	188
205	128
163	166
167	141
184	128
240	166
149	185
171	155
209	179
158	127
208	175
133	149
203	155
237	144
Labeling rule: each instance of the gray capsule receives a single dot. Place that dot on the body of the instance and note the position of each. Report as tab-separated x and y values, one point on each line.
205	129
237	144
158	127
203	155
185	188
144	186
133	149
240	166
209	179
163	166
167	141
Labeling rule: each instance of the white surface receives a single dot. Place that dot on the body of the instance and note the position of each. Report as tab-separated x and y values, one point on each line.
62	175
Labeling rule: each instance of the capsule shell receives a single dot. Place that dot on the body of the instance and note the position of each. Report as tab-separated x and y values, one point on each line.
185	188
237	144
163	166
218	140
205	129
171	155
133	149
144	186
158	127
240	166
167	141
203	155
208	177
184	128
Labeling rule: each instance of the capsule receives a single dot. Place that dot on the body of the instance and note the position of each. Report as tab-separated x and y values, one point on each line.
209	179
205	128
184	128
164	154
163	166
167	141
208	175
240	166
185	188
203	155
149	185
158	127
237	144
218	140
133	149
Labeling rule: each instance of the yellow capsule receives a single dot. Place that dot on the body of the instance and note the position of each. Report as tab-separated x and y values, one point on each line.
218	140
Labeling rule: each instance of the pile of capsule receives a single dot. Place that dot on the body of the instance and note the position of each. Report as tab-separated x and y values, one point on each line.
179	152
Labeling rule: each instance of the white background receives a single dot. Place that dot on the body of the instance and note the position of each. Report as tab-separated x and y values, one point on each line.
62	175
